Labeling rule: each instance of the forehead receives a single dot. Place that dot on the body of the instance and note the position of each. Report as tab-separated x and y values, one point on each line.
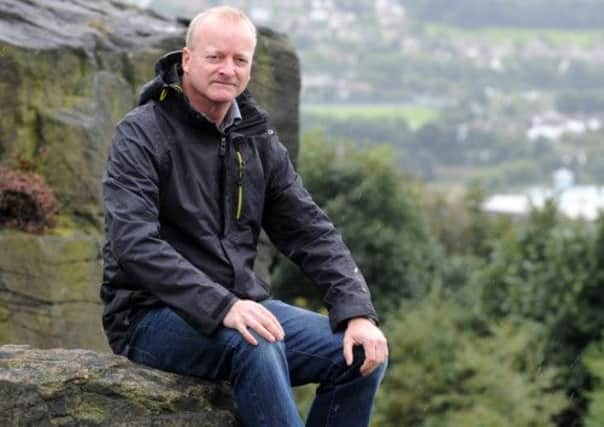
224	34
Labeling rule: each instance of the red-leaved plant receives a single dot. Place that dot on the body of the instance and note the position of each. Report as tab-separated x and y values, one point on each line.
26	201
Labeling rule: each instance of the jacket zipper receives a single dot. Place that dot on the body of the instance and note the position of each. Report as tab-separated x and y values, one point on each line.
221	154
240	164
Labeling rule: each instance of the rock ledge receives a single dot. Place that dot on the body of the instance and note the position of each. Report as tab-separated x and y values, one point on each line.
84	388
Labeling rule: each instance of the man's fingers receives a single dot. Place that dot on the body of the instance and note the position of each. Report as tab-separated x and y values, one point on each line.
348	352
262	330
375	355
246	314
270	322
370	362
247	335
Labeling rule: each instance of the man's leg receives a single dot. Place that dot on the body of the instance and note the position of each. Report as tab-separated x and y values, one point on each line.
314	355
258	374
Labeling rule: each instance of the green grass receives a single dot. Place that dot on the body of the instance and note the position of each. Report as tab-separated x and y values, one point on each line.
415	116
555	37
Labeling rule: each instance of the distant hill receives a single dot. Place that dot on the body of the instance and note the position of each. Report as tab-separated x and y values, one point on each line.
564	14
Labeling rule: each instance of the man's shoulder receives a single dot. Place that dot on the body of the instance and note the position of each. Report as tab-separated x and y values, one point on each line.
139	127
139	115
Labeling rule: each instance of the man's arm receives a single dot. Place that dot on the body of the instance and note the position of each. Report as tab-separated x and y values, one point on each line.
131	201
304	233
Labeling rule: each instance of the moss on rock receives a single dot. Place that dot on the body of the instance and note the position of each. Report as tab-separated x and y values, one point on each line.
77	387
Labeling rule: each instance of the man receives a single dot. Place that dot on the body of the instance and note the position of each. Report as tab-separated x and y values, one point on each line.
193	174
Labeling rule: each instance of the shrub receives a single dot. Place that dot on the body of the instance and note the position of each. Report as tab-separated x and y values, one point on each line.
375	208
442	373
26	201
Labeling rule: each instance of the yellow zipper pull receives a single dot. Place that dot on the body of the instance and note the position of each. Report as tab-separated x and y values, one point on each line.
163	94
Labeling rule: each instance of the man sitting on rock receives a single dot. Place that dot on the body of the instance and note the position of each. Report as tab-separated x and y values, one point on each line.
194	173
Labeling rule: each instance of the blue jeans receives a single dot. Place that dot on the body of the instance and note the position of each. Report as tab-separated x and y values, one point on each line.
262	376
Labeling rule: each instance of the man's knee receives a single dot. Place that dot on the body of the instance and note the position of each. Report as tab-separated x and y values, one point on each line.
271	354
349	373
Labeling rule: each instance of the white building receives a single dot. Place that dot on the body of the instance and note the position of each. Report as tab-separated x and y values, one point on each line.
575	201
552	125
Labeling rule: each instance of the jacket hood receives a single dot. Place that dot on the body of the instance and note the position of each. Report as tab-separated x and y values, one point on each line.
168	73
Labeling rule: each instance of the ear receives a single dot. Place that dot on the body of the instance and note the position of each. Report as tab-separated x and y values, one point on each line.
186	59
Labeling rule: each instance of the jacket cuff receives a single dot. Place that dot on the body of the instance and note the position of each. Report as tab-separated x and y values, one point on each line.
339	317
217	316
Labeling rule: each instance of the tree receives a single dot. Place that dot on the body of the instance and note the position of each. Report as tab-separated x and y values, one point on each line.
377	213
444	373
552	272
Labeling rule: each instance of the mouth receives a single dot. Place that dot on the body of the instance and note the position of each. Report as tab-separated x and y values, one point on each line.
225	84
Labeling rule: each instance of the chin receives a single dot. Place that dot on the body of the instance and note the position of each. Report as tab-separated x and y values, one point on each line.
223	97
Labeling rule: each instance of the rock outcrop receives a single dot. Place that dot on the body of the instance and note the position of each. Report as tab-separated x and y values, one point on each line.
84	388
69	70
49	290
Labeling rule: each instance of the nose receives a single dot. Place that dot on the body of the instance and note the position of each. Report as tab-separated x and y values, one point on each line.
228	67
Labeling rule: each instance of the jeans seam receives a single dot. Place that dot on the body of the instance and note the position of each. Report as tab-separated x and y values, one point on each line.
317	356
146	354
175	332
329	411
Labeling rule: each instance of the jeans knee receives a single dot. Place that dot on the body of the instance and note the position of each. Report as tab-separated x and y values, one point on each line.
352	372
264	353
380	371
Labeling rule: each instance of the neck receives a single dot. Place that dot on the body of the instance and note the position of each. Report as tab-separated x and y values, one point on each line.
214	111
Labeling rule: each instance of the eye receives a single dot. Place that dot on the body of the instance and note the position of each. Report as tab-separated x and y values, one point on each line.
212	58
241	61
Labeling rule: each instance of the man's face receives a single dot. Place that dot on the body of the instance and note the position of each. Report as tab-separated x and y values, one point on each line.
218	64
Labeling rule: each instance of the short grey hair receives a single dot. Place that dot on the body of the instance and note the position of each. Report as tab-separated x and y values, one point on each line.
224	12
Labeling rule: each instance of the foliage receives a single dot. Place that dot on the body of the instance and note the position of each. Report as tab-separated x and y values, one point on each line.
461	226
547	271
580	102
557	37
443	373
377	213
26	202
414	116
593	359
551	271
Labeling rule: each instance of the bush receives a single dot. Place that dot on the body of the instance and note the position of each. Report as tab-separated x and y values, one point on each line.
26	202
551	272
444	373
378	215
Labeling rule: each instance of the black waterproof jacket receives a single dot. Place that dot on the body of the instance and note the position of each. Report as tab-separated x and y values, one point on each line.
184	205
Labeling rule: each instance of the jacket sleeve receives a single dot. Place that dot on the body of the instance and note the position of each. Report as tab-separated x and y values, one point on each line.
304	233
131	201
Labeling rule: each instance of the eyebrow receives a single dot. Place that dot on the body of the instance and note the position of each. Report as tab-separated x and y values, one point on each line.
216	51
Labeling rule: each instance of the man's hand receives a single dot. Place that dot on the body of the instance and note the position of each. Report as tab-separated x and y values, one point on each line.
362	331
246	314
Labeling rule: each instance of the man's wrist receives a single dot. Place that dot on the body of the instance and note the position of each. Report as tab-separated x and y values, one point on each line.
372	320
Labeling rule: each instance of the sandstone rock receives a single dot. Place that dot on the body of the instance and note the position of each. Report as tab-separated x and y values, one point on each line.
68	72
83	388
276	84
49	290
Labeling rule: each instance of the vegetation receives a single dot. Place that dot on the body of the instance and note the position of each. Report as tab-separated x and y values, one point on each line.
26	202
413	116
365	194
490	321
513	13
449	368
